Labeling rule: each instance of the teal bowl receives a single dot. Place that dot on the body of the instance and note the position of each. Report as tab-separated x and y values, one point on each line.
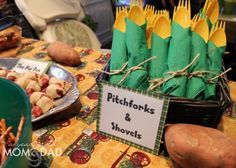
14	103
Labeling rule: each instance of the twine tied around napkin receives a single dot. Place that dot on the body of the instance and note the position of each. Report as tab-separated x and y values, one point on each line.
134	68
202	74
158	82
114	72
128	71
155	83
212	80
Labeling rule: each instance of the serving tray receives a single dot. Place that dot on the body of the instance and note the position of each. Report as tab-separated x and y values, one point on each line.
53	71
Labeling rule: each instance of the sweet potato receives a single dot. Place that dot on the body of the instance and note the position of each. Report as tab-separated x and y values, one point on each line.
232	87
63	53
192	146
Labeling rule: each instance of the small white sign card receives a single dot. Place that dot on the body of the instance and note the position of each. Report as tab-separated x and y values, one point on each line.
29	65
131	117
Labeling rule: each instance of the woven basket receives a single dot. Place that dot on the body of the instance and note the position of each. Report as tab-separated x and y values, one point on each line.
199	112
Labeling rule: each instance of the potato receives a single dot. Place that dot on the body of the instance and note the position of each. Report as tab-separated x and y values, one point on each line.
192	146
63	53
232	87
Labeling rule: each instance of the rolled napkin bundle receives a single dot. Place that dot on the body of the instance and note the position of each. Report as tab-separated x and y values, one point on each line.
137	53
158	66
119	55
159	49
215	65
178	59
216	48
196	83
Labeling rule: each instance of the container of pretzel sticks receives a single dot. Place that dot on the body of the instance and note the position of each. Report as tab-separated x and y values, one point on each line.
15	125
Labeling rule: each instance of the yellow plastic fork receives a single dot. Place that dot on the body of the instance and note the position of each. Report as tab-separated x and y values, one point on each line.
151	21
151	17
217	35
201	28
185	4
162	13
162	27
149	36
138	3
206	5
182	13
149	8
120	22
121	14
218	25
149	13
195	20
136	15
121	10
213	11
182	18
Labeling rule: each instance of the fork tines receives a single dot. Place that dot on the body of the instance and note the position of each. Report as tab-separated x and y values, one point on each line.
120	9
136	3
218	25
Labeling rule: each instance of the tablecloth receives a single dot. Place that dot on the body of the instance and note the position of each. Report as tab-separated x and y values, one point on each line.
74	142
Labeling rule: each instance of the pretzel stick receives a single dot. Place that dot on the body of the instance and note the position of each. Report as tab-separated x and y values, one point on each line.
3	123
3	143
0	155
0	127
12	136
3	152
21	124
4	134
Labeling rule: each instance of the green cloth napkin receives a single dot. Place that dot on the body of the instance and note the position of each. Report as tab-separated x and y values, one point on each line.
178	58
215	59
196	85
159	48
118	55
137	53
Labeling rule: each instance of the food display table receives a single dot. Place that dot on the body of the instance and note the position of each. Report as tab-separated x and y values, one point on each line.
73	142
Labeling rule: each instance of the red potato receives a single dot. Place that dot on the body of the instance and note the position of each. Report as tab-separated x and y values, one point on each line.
192	146
63	53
